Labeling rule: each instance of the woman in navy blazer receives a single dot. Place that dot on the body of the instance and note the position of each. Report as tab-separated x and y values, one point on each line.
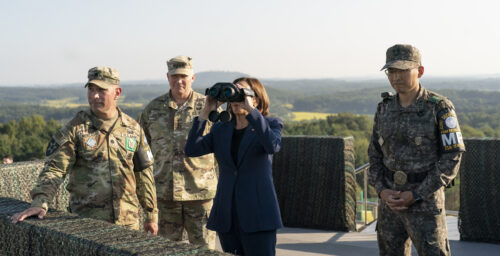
245	212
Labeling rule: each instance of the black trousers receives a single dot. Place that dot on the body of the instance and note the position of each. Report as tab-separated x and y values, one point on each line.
261	243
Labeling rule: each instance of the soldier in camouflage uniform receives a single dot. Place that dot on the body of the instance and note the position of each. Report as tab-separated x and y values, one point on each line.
415	152
185	185
107	158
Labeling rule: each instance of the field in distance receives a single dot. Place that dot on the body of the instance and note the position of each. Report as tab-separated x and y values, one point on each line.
73	102
303	116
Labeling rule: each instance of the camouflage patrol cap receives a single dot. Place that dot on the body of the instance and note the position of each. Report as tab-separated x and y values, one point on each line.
402	56
103	77
180	65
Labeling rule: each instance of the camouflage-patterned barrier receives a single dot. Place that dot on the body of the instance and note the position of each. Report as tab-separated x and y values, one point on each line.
315	182
479	216
17	180
62	233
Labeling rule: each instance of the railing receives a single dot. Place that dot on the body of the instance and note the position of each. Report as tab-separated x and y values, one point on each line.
364	202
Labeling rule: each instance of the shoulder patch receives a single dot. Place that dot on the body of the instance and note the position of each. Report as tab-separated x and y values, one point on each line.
143	157
449	129
52	147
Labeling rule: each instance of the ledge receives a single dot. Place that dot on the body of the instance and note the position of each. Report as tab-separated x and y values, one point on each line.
62	233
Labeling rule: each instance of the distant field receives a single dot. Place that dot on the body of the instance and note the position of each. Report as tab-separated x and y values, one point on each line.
301	116
61	103
72	102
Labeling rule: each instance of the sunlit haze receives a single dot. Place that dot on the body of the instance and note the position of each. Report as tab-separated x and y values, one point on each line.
51	42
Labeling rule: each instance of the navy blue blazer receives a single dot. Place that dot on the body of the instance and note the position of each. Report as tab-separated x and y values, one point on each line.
251	178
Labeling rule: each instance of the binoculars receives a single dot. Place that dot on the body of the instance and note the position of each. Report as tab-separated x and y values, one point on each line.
226	92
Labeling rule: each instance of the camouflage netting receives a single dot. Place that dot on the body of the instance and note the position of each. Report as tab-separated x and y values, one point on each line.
479	216
315	182
62	233
18	179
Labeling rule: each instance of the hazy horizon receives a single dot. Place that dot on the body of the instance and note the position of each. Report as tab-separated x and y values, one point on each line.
56	42
347	79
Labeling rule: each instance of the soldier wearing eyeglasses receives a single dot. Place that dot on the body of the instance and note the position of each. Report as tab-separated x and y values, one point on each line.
415	152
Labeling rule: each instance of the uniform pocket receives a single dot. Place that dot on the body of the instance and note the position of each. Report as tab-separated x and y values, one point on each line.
124	151
91	148
423	139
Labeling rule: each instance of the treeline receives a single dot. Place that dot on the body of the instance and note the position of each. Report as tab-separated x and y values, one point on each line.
364	101
26	139
342	124
16	112
473	125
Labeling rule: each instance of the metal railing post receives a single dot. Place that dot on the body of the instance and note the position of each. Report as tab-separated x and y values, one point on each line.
365	193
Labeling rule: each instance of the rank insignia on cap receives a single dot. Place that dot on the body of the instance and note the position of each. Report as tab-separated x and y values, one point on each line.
179	65
130	144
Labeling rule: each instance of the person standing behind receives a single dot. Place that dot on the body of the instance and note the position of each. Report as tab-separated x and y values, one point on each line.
246	213
185	185
8	159
415	152
109	163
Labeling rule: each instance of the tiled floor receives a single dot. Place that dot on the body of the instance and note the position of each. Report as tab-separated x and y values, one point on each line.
310	242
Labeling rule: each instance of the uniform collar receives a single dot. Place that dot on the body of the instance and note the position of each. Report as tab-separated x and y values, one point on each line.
94	120
123	119
422	94
417	106
189	103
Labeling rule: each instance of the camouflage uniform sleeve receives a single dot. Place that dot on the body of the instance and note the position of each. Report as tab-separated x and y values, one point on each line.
144	124
146	192
376	171
452	147
60	158
146	189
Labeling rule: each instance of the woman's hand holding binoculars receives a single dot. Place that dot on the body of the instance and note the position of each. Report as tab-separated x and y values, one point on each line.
210	105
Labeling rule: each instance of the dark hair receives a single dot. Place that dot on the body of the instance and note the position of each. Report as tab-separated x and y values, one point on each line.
260	93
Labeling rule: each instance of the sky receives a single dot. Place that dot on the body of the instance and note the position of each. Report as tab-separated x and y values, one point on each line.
56	42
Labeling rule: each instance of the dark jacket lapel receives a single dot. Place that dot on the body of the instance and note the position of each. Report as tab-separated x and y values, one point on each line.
227	135
246	141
